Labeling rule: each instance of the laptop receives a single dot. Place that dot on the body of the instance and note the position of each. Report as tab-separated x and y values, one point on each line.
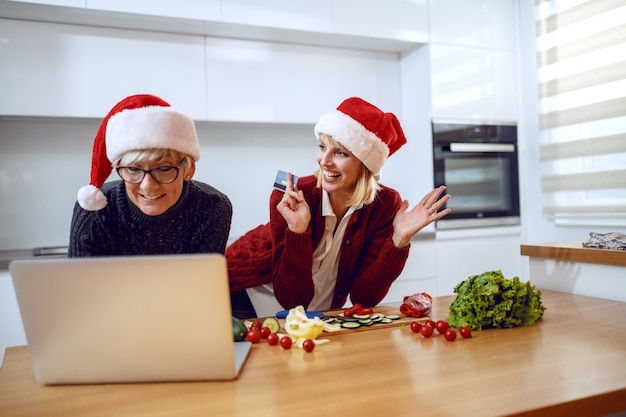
158	318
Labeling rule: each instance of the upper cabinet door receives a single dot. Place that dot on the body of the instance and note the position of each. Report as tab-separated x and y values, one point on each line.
473	83
189	9
314	16
480	23
67	3
405	20
290	83
77	71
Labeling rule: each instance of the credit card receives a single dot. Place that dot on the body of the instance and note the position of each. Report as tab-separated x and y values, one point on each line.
280	183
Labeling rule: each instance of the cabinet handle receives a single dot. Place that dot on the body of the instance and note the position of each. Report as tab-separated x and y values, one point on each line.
482	147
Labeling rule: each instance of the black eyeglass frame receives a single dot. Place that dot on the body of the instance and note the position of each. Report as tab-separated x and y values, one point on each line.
149	171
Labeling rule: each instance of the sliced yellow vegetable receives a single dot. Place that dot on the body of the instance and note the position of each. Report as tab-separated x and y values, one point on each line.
298	325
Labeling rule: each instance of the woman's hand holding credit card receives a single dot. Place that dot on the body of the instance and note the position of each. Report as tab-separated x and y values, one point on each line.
280	183
293	207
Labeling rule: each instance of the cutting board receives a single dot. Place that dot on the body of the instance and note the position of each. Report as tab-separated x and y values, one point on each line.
384	309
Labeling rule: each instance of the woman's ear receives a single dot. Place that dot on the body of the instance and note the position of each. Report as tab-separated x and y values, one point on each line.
190	171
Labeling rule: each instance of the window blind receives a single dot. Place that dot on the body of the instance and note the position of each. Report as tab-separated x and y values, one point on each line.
581	59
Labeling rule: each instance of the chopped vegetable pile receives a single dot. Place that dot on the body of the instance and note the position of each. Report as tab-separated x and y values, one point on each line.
489	300
298	325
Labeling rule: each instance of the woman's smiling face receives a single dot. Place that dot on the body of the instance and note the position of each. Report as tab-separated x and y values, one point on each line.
152	197
340	168
149	195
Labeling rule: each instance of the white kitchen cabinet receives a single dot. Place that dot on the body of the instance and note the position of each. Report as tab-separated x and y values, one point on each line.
473	59
419	274
66	3
478	23
286	83
593	280
63	70
190	9
473	83
405	20
313	16
11	329
460	257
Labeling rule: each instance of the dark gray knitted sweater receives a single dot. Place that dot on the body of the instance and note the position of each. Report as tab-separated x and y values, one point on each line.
199	222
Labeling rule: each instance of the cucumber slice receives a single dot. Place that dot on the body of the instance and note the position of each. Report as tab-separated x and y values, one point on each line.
366	321
392	317
272	323
376	316
361	316
385	320
350	324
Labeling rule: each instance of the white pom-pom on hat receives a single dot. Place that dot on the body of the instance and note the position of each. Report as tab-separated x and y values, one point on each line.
92	197
137	122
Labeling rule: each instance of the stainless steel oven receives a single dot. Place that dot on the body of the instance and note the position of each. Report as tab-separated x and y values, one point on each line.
478	164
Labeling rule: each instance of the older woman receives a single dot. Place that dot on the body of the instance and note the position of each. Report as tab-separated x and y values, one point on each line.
336	233
155	207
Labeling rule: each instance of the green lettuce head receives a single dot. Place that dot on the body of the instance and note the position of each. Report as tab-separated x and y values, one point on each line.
489	300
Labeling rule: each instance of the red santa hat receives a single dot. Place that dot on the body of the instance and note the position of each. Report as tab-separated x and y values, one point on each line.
137	122
369	133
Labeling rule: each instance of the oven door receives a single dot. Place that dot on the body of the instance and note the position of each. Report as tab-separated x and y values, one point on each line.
483	182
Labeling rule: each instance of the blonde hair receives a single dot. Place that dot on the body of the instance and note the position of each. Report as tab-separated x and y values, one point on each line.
154	154
366	186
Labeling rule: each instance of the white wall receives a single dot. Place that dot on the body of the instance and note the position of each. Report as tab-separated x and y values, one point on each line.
43	162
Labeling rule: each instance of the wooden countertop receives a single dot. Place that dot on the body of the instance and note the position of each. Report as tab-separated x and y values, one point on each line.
572	362
574	251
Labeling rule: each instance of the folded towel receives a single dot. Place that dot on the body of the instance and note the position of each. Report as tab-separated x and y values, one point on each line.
614	240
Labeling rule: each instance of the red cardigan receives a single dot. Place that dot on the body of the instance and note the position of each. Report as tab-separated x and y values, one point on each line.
369	262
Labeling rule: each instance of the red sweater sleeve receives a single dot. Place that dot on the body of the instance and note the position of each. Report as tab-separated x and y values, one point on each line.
249	259
292	258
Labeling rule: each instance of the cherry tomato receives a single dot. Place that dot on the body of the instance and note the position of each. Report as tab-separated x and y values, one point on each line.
450	334
415	326
286	342
432	323
265	331
466	332
442	326
426	330
256	325
272	339
253	336
308	345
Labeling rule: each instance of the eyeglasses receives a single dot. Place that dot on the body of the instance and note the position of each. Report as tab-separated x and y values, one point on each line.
165	174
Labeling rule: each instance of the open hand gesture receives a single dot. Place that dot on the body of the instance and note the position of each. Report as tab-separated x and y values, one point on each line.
407	223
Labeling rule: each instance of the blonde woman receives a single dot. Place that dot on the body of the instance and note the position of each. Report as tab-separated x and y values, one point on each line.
336	233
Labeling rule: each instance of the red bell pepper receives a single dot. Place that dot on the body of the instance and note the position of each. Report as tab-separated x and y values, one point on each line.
357	309
416	305
351	311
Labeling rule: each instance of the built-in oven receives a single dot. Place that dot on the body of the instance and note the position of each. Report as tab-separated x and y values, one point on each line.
478	164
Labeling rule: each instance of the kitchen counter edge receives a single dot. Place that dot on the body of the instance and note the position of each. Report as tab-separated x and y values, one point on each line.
574	251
